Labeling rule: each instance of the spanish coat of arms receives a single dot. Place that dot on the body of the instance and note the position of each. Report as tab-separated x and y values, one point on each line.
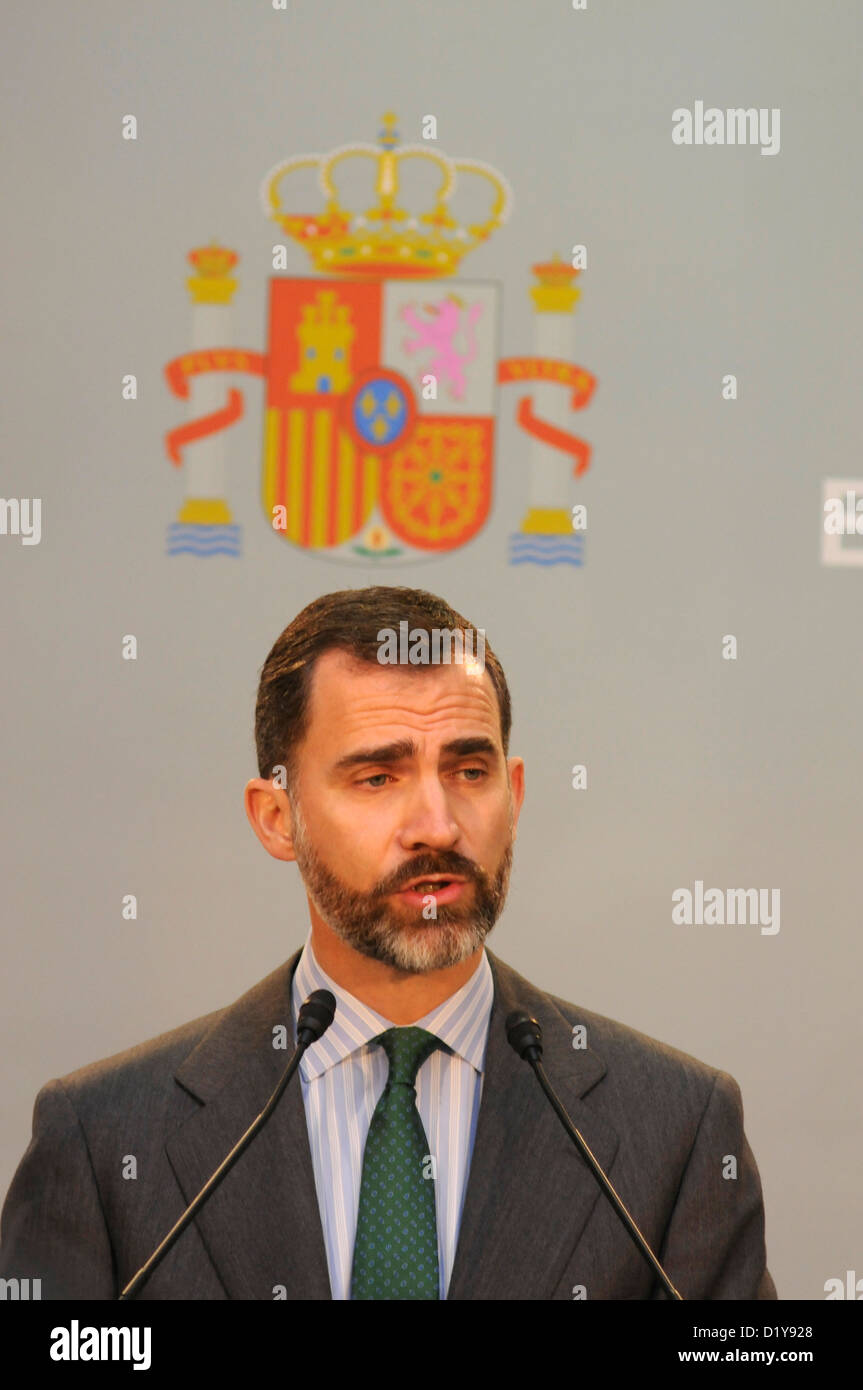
381	373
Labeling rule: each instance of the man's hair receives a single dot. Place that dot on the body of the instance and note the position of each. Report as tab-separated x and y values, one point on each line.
348	620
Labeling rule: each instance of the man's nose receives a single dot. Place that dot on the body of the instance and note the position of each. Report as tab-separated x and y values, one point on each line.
429	817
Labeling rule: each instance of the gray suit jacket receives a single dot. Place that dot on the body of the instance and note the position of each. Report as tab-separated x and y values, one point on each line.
534	1224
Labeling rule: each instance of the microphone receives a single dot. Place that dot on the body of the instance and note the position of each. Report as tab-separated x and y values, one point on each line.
313	1020
525	1037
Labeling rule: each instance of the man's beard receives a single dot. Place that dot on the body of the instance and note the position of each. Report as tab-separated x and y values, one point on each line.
401	936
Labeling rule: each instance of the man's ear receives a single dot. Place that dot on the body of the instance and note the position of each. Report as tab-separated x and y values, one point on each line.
269	813
516	779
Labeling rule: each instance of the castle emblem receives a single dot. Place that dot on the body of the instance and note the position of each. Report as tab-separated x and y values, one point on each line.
381	378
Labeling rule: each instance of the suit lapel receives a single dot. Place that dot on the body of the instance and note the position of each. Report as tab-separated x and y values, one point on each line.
261	1228
529	1193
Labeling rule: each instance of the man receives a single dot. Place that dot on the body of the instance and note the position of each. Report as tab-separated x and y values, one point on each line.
417	1158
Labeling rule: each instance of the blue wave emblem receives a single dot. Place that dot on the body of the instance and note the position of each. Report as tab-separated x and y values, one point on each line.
532	548
184	539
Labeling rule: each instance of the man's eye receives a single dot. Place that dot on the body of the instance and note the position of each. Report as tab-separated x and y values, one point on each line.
367	781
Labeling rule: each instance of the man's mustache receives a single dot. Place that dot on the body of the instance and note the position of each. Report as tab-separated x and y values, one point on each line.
456	867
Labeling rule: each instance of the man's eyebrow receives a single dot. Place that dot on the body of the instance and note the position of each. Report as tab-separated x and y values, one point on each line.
406	748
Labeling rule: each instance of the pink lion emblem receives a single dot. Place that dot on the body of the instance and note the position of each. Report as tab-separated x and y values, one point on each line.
438	335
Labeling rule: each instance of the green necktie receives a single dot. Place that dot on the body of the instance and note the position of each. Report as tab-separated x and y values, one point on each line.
395	1252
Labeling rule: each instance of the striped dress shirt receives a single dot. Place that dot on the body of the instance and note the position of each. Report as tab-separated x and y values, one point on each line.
342	1078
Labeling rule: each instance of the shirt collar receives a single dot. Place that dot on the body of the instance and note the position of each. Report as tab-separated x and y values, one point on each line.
460	1021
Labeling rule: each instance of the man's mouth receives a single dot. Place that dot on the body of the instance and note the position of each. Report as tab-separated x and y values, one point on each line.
443	888
434	882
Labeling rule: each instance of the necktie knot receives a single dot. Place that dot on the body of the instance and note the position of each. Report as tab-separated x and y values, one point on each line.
407	1049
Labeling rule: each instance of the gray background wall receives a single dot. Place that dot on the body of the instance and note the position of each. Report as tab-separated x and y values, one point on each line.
704	519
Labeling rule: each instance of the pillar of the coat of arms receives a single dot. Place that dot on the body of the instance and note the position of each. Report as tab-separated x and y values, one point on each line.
554	298
212	290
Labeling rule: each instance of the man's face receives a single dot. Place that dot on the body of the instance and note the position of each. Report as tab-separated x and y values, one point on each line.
384	799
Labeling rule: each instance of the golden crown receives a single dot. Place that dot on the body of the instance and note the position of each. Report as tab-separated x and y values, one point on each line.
385	240
213	283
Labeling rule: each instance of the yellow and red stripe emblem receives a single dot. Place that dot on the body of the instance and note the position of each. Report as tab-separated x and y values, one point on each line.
313	469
